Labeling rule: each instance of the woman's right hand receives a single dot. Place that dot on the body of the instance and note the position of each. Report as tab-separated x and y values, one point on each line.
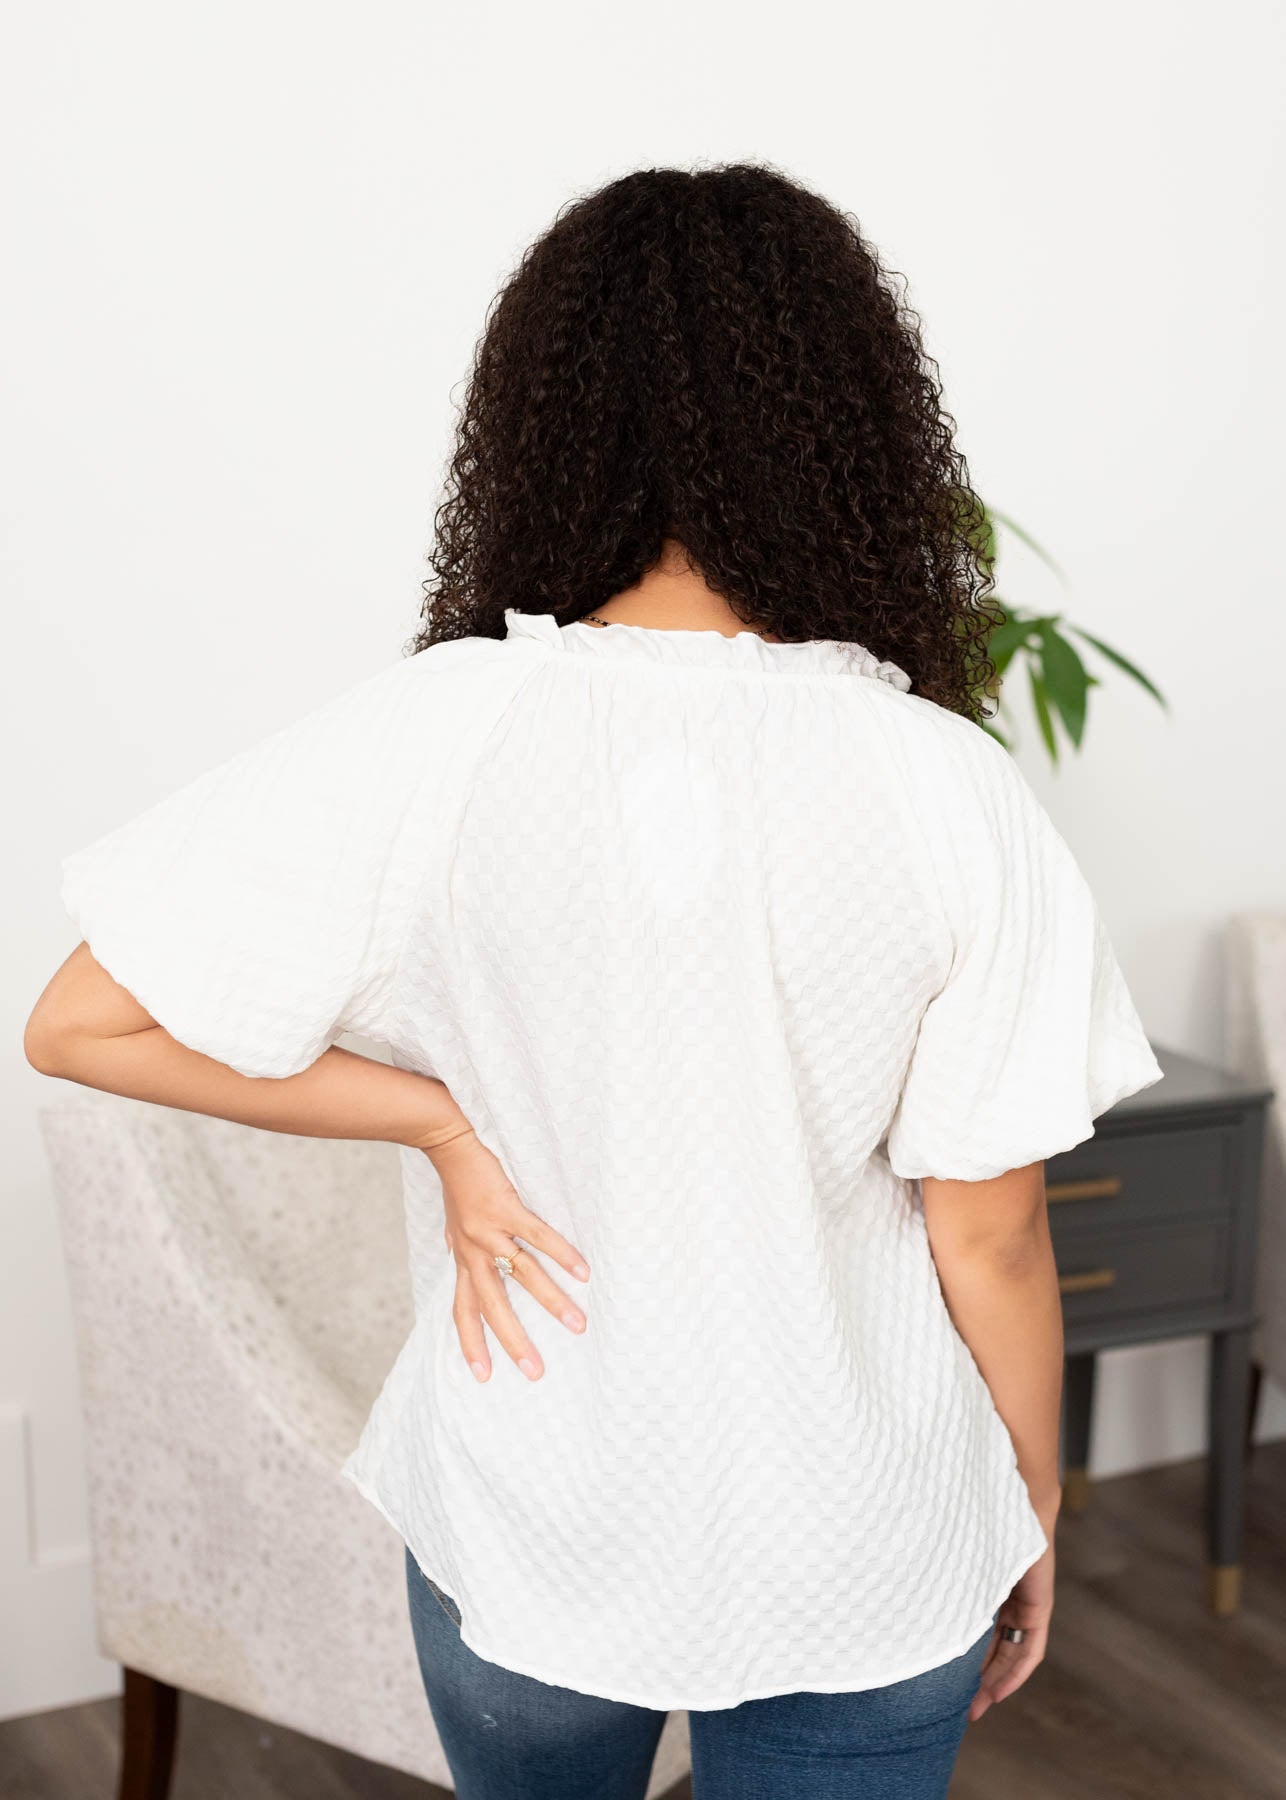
483	1217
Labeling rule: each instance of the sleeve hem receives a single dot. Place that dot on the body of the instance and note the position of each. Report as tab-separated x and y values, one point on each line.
113	954
1144	1073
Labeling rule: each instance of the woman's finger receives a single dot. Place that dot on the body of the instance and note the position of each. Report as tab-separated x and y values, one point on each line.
527	1270
1006	1669
489	1285
533	1230
1011	1670
468	1324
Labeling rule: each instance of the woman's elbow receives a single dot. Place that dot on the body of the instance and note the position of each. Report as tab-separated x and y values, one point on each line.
48	1042
51	1035
61	1012
80	1008
1002	1221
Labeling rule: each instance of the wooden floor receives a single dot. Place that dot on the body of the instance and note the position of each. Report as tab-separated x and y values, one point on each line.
1144	1696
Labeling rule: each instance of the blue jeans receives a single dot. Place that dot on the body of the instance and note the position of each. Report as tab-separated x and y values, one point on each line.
510	1737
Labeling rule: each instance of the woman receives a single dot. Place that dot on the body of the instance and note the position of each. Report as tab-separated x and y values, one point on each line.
721	952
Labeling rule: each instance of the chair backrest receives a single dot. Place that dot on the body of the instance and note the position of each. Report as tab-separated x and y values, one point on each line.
321	1222
307	1229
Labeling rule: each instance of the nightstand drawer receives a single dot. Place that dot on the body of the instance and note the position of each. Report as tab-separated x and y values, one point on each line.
1124	1180
1104	1274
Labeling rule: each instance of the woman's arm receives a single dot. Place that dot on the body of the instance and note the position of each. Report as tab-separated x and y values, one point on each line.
991	1243
85	1027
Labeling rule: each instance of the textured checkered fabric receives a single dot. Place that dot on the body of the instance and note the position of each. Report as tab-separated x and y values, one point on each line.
721	945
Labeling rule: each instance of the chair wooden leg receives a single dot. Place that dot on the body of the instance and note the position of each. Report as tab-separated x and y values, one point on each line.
149	1726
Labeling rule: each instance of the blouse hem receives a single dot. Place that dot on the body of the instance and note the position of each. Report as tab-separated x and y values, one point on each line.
633	1697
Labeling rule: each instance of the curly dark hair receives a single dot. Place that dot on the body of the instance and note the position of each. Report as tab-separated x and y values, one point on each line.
715	356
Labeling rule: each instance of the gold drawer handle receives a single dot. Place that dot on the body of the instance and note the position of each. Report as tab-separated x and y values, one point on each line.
1105	1187
1085	1283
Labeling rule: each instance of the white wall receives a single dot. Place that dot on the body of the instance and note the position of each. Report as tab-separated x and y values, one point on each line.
250	248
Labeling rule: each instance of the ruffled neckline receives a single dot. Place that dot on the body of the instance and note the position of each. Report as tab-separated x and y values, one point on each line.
621	642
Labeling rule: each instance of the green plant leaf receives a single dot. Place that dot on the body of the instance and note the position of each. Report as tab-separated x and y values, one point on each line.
1040	702
1008	637
1123	663
1029	621
1014	633
1065	681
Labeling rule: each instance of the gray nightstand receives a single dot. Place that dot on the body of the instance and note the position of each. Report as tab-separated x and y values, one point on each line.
1153	1221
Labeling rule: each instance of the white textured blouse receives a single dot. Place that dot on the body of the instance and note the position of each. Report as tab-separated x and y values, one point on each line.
720	945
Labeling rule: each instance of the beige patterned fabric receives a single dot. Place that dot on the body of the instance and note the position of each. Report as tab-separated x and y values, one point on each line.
239	1297
1255	1020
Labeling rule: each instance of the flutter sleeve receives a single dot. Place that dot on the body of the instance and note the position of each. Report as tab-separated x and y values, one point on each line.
1033	1033
260	910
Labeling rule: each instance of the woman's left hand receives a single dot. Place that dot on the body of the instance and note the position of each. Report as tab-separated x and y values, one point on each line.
483	1217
